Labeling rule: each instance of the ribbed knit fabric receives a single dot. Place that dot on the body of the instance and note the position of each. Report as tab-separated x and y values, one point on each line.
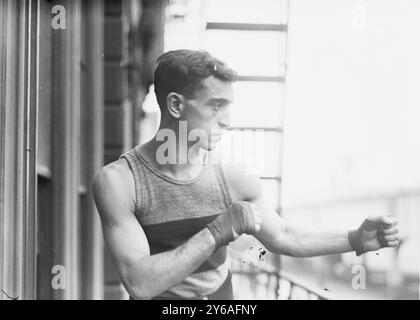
170	212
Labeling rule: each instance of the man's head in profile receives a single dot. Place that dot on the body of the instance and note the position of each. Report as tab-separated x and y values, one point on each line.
195	87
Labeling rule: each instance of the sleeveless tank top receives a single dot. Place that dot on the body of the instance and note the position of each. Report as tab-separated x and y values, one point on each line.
171	211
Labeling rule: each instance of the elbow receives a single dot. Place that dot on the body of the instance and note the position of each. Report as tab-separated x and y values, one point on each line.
140	295
139	281
295	254
137	288
141	288
276	247
138	292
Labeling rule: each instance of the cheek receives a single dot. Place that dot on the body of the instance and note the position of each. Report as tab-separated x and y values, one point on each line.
201	118
195	113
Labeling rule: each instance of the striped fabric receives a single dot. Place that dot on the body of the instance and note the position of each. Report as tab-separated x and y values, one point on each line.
171	211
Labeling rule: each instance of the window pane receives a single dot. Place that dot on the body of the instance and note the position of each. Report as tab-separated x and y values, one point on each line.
259	151
257	104
257	53
246	11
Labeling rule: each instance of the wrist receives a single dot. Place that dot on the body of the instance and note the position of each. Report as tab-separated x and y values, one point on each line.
355	240
221	230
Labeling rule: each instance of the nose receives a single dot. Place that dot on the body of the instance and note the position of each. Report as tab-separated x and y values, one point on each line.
224	120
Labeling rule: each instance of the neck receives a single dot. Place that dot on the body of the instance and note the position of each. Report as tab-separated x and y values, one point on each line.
171	152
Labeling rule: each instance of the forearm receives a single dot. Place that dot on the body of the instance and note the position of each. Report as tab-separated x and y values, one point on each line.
154	274
300	242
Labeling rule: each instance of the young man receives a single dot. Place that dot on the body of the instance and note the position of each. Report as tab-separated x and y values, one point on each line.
168	215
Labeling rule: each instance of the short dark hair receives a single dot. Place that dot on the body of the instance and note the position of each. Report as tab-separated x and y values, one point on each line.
182	71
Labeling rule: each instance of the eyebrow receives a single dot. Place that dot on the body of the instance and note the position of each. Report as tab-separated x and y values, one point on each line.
221	100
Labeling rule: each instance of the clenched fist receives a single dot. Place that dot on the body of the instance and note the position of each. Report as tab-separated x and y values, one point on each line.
242	217
374	233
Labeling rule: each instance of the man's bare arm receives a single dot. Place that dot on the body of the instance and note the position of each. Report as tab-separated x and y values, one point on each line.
143	275
281	237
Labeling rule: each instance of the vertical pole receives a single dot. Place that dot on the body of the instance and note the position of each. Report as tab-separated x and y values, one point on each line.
31	150
278	258
65	169
93	261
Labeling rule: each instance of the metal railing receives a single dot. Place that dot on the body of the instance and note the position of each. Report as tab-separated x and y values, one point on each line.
283	285
291	288
259	278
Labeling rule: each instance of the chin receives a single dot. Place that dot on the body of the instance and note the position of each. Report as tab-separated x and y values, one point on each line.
210	146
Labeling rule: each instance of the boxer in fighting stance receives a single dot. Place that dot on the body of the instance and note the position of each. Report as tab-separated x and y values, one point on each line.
167	225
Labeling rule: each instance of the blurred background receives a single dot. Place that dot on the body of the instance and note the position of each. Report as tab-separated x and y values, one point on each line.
330	88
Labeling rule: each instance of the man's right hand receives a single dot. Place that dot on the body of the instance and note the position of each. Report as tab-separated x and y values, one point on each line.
242	217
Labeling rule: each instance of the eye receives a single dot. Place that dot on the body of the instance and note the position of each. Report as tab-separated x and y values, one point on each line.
217	106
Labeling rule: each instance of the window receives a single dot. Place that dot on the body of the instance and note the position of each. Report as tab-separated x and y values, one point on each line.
256	53
257	104
261	11
253	42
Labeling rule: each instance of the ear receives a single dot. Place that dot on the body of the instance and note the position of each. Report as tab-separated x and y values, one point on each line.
175	104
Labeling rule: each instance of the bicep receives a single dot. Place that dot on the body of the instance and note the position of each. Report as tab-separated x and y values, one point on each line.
249	188
273	228
126	241
123	234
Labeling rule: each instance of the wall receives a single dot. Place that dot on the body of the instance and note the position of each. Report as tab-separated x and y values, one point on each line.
70	102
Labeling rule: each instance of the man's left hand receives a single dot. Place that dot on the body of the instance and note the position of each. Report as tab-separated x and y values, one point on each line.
375	233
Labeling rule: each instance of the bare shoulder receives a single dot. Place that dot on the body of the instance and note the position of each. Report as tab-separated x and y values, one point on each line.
113	186
242	185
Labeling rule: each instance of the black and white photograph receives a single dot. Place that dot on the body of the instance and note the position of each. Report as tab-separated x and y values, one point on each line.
186	150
